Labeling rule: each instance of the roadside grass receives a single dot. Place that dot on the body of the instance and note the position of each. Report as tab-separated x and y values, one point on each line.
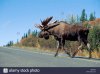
83	53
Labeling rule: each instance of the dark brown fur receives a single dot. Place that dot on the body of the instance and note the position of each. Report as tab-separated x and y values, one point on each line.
63	31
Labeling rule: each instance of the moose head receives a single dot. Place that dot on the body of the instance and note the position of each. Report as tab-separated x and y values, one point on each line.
45	26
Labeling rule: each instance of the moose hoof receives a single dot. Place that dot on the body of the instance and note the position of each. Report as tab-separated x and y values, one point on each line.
72	56
90	57
55	55
68	54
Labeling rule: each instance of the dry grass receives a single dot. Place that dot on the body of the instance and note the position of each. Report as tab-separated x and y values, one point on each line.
85	53
82	53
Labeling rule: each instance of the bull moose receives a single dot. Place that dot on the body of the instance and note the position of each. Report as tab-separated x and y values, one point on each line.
63	31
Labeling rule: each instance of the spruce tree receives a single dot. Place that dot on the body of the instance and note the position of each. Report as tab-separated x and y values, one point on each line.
29	32
92	17
26	35
83	16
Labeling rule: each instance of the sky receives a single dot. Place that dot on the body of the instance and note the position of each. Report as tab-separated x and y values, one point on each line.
17	16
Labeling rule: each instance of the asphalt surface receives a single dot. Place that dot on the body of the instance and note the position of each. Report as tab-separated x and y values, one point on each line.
16	57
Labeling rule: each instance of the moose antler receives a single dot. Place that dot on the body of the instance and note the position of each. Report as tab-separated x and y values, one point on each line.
46	21
51	25
39	26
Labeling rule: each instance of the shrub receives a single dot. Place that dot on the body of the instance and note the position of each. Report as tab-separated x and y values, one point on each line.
94	37
30	41
50	43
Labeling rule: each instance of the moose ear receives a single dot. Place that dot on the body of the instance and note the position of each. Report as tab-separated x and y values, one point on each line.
46	21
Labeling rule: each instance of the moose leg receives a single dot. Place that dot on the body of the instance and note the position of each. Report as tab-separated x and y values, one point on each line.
88	47
63	43
80	47
58	48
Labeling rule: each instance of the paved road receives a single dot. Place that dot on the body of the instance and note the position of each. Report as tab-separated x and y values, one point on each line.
15	57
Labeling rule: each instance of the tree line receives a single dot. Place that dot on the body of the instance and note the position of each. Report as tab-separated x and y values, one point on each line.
81	19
